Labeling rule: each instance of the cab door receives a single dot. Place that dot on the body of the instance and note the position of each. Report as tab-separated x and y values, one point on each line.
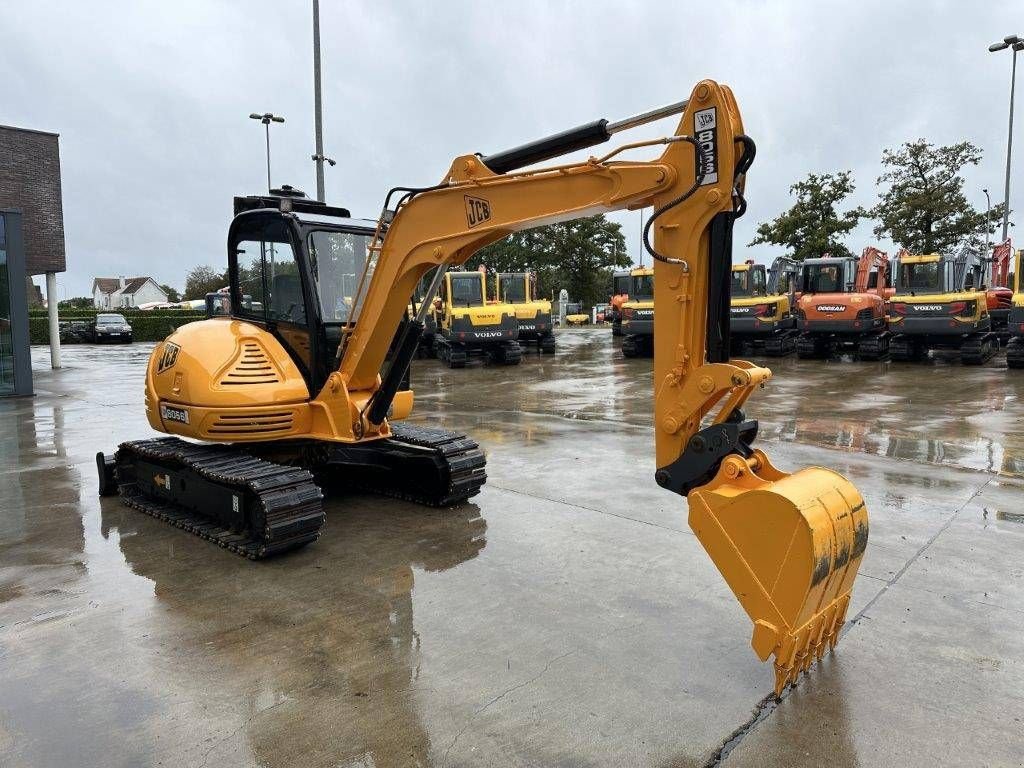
265	261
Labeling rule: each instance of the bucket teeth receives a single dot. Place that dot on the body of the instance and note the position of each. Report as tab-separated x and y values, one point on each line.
800	650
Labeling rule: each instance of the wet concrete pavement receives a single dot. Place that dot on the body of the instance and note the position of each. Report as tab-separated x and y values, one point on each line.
567	617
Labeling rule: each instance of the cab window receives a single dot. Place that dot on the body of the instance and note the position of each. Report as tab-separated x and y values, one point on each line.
467	291
337	260
269	273
513	289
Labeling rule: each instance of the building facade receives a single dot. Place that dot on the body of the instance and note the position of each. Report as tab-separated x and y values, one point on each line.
30	192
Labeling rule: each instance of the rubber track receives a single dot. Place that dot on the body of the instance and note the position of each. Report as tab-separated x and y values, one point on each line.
979	348
464	460
289	499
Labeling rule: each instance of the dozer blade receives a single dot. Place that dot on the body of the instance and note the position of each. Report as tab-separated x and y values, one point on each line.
789	547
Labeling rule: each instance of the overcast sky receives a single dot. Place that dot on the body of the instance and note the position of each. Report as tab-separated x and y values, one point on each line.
151	99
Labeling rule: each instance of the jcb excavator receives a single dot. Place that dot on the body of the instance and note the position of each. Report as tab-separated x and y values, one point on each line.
519	290
842	305
265	400
761	310
939	302
620	295
638	314
467	326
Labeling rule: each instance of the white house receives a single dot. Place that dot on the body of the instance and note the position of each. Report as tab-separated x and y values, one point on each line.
123	292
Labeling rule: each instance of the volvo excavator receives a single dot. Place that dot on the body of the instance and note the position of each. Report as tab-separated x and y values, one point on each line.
533	313
638	314
842	306
259	405
467	326
940	302
761	310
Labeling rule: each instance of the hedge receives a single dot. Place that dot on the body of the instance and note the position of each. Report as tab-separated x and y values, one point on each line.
146	326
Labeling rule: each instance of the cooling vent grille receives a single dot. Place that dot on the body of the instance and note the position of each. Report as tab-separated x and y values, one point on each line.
227	425
252	367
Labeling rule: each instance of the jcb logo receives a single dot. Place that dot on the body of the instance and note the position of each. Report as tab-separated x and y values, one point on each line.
477	211
169	357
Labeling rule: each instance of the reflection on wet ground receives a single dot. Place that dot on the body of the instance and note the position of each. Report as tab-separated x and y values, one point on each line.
567	617
935	412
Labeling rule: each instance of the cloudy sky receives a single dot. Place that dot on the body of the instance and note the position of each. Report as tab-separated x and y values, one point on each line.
151	99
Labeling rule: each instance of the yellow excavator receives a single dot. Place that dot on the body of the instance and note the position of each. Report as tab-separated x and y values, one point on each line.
467	326
519	290
258	404
638	314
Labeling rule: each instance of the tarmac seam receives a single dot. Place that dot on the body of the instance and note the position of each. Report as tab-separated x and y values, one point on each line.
770	703
589	509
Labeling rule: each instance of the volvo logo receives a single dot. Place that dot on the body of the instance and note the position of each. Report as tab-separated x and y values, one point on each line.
928	307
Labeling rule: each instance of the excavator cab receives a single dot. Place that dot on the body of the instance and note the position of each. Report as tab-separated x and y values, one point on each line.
294	265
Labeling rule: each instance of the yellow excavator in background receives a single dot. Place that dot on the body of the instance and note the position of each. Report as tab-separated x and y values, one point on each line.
467	326
762	307
288	391
638	314
519	290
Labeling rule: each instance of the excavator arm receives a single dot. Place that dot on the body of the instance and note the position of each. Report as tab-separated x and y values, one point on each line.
871	258
789	545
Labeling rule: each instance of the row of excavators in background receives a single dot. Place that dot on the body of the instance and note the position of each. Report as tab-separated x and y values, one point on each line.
464	323
867	305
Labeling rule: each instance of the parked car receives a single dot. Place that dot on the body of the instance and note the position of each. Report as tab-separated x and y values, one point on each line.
109	327
73	331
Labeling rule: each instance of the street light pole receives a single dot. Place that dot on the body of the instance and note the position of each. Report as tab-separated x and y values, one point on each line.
988	218
318	114
267	118
1015	44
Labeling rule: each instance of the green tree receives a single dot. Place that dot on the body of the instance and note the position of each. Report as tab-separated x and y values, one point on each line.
577	255
202	280
813	226
78	302
924	209
172	293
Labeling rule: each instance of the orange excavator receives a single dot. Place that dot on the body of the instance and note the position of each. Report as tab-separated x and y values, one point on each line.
257	406
842	306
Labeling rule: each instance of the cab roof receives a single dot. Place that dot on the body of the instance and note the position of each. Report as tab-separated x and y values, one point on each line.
921	258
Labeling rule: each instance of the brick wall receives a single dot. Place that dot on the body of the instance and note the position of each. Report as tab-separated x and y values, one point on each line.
30	182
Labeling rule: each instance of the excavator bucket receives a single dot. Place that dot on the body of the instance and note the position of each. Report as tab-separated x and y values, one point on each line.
789	547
